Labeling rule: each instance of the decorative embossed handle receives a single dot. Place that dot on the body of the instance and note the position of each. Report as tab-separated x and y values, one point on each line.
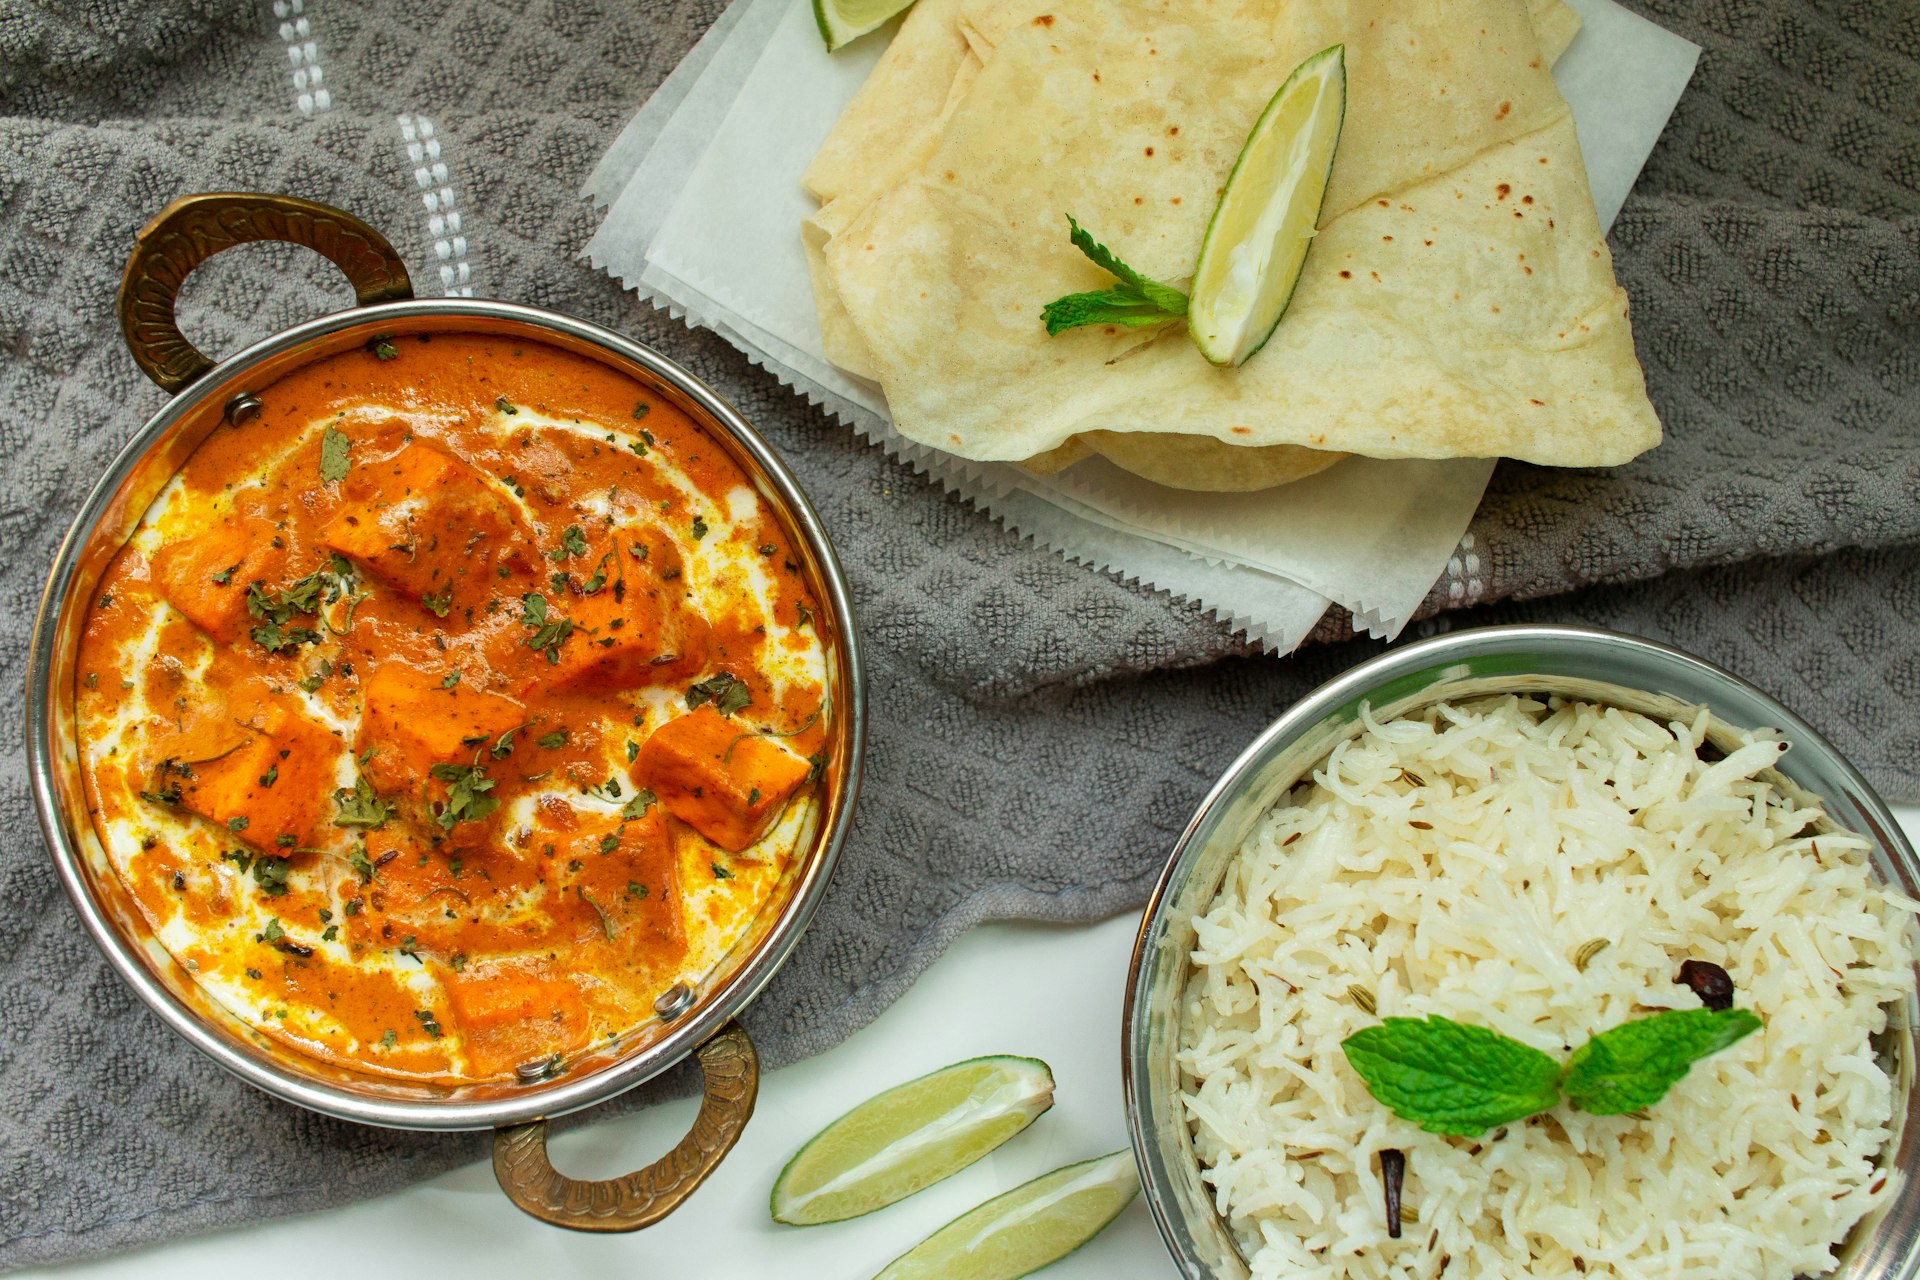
194	228
731	1071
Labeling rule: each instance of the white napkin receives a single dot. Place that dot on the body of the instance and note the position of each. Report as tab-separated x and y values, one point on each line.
705	209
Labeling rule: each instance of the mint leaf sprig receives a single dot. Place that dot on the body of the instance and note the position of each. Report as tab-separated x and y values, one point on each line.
1458	1080
1137	301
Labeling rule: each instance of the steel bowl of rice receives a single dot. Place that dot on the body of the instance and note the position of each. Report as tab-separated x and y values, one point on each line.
1543	841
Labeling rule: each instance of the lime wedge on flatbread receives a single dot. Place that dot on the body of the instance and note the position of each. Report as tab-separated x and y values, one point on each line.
910	1137
844	21
1258	239
1023	1230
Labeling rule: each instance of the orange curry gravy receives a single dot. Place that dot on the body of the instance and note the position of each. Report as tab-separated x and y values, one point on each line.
447	713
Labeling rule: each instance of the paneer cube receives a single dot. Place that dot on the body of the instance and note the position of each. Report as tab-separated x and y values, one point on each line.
719	776
414	721
428	527
270	786
623	643
613	880
511	1015
205	577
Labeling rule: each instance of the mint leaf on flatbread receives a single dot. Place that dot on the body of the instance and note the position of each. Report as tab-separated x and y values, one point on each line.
1632	1066
1102	306
1450	1078
1137	301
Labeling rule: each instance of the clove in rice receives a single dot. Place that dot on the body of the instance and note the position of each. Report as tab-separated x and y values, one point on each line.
1393	1171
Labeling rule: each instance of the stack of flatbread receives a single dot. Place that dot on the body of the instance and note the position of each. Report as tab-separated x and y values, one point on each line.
1458	301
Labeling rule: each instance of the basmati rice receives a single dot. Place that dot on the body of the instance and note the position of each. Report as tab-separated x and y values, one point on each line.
1460	863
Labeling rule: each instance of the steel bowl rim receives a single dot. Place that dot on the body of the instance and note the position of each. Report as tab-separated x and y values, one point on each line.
565	1094
1312	709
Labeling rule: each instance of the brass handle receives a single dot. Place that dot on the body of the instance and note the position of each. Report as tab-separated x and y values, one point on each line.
194	228
731	1072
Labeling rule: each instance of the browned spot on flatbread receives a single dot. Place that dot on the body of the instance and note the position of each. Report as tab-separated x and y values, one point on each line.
1506	109
1044	20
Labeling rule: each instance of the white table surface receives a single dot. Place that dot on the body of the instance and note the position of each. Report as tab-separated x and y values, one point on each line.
1048	992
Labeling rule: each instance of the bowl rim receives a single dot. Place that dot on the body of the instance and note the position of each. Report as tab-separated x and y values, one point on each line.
568	1092
1357	684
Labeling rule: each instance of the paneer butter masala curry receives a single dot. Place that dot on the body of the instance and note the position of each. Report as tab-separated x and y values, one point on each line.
448	712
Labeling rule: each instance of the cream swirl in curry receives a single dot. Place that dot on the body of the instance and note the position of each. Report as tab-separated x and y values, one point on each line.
445	714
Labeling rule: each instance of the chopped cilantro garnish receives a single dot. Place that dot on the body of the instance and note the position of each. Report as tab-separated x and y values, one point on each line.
548	634
599	578
362	806
334	447
273	611
728	693
271	875
573	542
467	794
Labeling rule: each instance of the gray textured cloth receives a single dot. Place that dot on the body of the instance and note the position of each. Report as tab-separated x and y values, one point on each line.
1039	733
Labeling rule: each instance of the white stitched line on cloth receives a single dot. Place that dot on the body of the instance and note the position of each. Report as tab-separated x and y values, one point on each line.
436	192
303	51
1464	585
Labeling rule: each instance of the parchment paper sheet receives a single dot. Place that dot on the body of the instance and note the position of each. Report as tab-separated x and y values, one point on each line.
704	196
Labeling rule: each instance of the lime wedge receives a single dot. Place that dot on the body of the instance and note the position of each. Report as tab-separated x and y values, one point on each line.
844	21
1268	212
910	1137
1030	1226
